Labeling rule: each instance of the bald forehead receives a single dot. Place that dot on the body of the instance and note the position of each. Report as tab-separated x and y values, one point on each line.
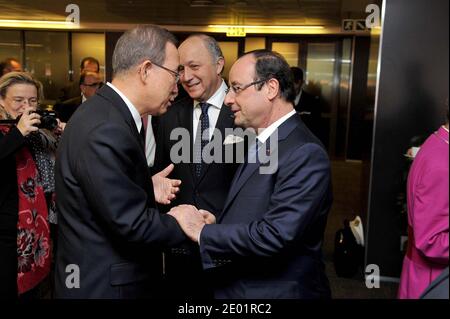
194	44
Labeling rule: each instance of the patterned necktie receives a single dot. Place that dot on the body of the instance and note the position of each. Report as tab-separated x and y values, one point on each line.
200	140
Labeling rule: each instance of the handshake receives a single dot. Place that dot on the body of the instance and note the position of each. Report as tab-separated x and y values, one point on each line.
192	220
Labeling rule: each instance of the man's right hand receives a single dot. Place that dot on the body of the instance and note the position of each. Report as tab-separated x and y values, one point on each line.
190	220
28	121
208	217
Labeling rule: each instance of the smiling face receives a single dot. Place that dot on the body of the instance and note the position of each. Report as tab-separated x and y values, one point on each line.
18	97
201	75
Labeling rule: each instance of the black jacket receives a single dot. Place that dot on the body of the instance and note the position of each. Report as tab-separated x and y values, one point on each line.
10	143
109	227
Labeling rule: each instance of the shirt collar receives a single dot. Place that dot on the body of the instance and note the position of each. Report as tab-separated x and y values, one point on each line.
131	107
272	127
217	98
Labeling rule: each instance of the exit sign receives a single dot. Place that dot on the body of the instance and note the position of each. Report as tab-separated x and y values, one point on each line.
236	32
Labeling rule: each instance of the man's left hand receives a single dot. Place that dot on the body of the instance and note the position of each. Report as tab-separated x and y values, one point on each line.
165	188
190	219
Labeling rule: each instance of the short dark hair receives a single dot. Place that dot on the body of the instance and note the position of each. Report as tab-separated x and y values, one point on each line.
90	60
7	63
272	65
297	73
141	43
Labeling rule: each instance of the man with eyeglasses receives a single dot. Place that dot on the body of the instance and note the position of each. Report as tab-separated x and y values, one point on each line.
204	185
267	240
111	234
90	82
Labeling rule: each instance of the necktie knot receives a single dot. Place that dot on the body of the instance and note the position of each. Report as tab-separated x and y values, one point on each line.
204	106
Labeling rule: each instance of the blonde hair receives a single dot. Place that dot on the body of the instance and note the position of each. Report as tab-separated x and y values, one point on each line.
12	78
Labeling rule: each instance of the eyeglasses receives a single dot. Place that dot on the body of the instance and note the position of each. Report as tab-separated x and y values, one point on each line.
19	101
98	84
237	89
175	74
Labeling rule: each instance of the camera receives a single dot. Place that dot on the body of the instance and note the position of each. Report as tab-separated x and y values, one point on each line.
48	119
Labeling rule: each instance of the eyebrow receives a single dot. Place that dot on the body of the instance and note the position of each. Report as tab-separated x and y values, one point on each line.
23	97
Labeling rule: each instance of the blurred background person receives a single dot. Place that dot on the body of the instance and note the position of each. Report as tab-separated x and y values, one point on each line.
89	83
427	195
10	65
27	179
306	104
88	64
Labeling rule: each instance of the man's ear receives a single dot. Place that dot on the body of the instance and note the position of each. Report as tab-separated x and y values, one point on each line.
220	65
144	69
273	87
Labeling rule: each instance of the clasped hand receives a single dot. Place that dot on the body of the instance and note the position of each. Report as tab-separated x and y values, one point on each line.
192	220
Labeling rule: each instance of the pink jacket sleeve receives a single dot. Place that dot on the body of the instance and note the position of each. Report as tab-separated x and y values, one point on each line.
430	222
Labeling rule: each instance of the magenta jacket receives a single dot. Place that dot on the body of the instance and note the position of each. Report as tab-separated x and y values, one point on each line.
427	253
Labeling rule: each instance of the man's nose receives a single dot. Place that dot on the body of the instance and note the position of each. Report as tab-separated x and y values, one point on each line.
229	99
186	75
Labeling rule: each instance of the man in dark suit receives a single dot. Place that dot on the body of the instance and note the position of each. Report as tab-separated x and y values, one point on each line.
203	185
111	234
267	243
72	90
306	104
90	82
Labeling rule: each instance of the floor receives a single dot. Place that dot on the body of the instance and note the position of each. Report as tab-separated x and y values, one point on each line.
350	199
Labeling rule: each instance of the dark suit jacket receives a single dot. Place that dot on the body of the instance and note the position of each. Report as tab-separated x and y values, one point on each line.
309	108
108	223
210	190
186	278
267	241
64	110
438	289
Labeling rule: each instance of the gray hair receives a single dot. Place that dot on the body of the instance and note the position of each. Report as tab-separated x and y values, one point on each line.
139	44
211	44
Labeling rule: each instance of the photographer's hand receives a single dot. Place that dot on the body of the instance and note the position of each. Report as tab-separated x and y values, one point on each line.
28	121
60	128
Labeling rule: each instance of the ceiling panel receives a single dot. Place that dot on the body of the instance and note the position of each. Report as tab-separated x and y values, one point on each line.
192	12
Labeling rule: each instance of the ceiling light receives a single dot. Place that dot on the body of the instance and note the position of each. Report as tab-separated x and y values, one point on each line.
40	24
267	26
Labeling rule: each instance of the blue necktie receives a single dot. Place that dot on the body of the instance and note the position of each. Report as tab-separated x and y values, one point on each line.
203	125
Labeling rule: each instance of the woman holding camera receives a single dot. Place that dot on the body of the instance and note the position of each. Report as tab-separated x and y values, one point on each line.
26	174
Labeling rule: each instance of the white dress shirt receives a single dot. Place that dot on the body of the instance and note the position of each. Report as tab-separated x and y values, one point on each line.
150	143
134	113
216	102
265	134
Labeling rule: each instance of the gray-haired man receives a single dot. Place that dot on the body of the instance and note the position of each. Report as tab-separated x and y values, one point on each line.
110	232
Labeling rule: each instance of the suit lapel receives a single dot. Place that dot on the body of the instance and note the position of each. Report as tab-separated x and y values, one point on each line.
244	174
111	95
185	119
